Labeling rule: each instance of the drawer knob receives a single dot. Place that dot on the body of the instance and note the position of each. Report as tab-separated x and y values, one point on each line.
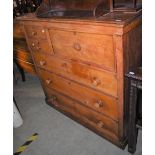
99	104
43	31
96	82
48	81
54	100
77	46
42	63
33	44
34	33
100	124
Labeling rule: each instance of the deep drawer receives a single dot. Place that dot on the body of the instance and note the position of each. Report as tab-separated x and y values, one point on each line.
91	48
89	97
98	79
95	120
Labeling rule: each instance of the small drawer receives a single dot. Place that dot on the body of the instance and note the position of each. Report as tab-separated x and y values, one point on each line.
98	79
93	99
40	46
93	49
35	32
94	120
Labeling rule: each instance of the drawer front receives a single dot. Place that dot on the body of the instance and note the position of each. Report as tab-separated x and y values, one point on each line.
97	79
89	97
35	32
77	110
90	48
40	46
97	120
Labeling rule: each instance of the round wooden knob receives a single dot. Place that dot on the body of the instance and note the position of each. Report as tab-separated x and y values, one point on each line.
33	44
34	33
86	102
48	81
43	31
77	46
100	124
99	104
96	82
54	100
42	63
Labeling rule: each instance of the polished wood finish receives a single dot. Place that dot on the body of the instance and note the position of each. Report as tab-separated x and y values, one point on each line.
35	33
81	65
79	46
86	96
103	81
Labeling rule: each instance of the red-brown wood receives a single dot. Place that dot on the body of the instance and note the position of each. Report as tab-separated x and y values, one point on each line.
21	53
86	96
77	53
93	77
91	48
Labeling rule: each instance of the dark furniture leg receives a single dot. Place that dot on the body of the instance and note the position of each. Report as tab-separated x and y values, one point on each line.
14	77
133	131
21	71
135	105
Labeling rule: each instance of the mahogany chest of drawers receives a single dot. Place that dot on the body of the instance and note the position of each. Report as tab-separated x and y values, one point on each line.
81	65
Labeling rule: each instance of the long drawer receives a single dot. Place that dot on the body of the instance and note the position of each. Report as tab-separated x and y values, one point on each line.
89	97
91	48
98	79
95	120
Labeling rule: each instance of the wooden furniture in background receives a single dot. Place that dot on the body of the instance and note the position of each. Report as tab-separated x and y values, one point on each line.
21	53
98	8
82	62
21	7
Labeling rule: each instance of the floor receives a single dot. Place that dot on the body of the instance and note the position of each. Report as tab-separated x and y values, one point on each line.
58	134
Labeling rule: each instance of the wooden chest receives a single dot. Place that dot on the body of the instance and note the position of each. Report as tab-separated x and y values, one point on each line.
81	65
